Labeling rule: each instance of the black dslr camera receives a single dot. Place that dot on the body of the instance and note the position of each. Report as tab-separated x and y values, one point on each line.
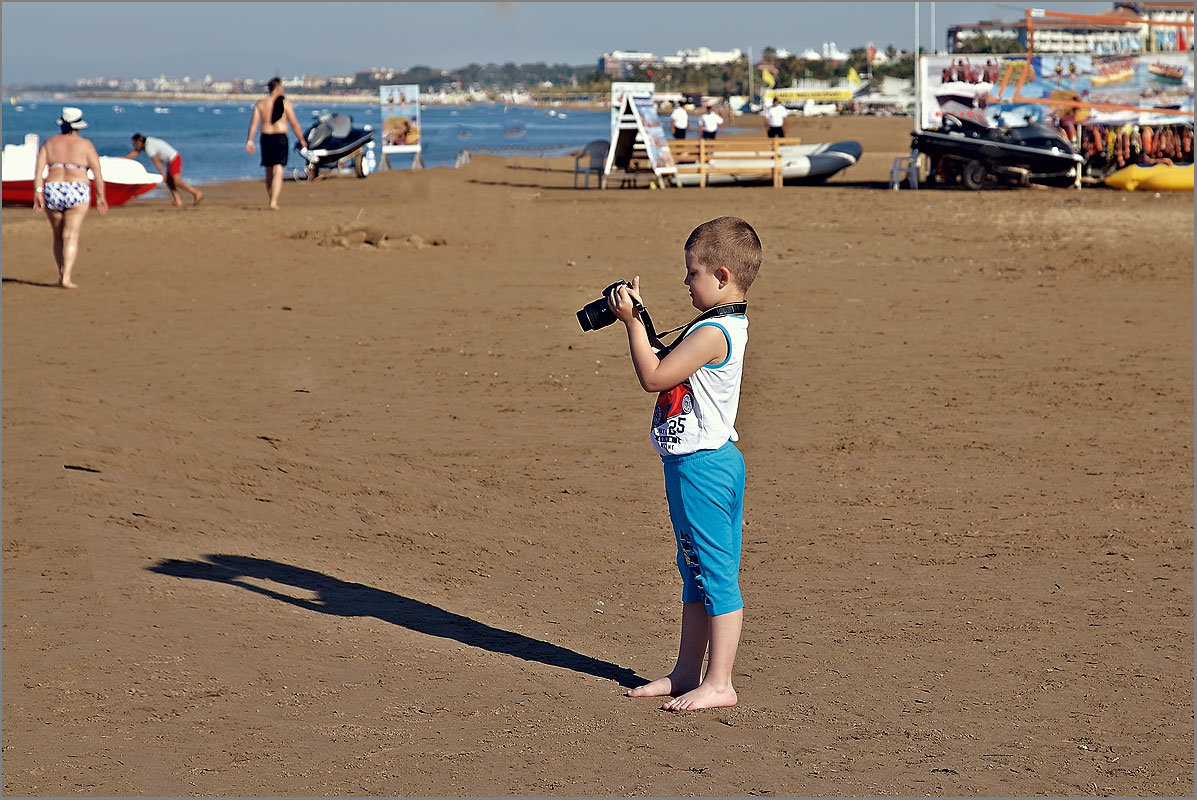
597	313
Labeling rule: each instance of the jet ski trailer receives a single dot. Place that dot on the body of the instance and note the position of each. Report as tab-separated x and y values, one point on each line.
972	153
333	142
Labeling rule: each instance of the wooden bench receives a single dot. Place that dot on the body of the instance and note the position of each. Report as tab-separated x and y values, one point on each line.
695	156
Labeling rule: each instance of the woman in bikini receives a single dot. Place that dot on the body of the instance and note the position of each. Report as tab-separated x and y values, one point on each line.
273	112
63	193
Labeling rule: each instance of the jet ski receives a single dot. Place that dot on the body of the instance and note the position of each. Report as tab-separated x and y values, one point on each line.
972	152
332	139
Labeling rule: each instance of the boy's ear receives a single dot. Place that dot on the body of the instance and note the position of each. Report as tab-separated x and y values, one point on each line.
724	275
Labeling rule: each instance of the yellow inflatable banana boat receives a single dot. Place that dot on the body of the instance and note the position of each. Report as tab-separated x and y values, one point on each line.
1154	178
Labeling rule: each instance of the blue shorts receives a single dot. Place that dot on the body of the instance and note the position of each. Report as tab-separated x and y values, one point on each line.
706	504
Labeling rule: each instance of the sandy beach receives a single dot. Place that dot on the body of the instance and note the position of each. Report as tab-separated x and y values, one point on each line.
289	513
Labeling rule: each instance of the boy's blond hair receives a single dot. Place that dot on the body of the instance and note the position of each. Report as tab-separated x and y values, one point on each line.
727	242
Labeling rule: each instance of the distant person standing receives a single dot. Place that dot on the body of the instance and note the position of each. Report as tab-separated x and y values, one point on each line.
710	123
680	120
775	120
274	113
168	162
65	195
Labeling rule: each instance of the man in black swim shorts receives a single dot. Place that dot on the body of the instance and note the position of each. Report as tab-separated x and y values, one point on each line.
274	149
274	113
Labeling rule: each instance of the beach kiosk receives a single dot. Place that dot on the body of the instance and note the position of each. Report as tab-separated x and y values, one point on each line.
637	139
400	114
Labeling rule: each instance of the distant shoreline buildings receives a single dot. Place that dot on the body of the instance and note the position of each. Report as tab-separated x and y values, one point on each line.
618	63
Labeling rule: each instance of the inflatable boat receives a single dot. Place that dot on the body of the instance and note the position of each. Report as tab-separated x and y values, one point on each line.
800	163
1153	178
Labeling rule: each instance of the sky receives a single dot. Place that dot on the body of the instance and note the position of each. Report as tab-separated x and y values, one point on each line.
49	42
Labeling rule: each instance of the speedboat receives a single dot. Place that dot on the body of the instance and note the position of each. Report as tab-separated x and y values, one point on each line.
970	151
124	178
800	163
333	139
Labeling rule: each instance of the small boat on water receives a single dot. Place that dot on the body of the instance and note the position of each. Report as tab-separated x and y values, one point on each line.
1167	73
124	178
800	163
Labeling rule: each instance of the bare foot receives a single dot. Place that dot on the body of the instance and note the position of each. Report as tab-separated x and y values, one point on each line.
68	284
198	197
272	207
662	687
176	202
702	697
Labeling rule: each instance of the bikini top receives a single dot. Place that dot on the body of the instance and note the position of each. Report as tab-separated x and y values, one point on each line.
67	165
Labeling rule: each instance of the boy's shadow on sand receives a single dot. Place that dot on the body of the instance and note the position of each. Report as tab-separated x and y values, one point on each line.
343	599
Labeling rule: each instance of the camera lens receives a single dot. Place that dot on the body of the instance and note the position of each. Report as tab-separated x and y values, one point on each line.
596	314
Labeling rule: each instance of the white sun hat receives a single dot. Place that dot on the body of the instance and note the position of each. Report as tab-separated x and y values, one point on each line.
72	116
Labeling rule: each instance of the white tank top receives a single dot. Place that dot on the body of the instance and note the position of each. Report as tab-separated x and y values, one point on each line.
700	413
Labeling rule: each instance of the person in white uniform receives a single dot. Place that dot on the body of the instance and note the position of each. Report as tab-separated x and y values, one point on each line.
680	120
710	123
775	120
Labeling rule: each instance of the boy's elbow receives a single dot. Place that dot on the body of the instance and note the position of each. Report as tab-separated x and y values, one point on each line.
651	385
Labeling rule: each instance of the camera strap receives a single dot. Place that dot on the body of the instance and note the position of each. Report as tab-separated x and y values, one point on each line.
718	311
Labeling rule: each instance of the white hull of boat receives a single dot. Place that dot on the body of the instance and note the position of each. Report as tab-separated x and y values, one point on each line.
124	178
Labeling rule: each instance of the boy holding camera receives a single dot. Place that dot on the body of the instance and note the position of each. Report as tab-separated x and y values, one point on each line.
698	378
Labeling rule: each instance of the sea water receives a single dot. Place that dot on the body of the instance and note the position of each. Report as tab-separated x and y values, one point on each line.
211	136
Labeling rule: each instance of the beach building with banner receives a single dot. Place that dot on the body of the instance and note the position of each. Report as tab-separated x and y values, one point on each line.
1125	28
399	107
1144	88
1118	90
1132	65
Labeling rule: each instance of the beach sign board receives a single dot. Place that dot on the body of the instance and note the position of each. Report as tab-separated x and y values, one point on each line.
655	142
638	135
1117	88
795	98
400	114
621	89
